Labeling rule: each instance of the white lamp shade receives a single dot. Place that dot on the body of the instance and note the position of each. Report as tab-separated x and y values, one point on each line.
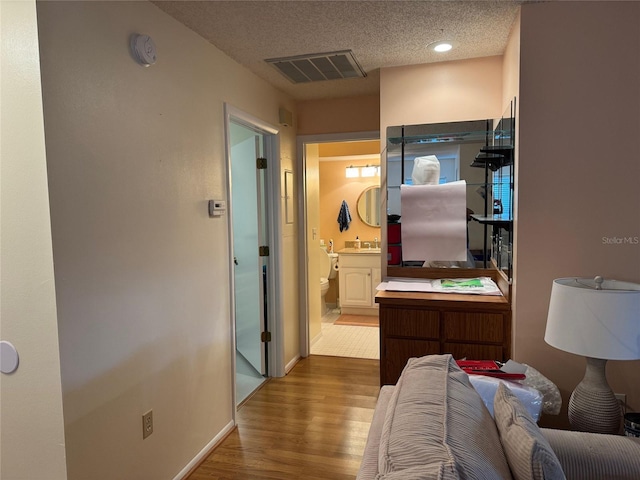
594	323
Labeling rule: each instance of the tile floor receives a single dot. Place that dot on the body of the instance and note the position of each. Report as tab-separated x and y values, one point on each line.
346	340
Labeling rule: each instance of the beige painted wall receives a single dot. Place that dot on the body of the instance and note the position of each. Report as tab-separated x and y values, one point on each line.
579	168
511	90
338	115
441	92
356	147
291	307
511	66
31	423
334	188
141	270
312	159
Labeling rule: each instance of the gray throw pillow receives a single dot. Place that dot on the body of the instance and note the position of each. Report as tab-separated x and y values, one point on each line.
528	452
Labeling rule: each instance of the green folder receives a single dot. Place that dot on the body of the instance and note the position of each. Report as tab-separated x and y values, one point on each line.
467	282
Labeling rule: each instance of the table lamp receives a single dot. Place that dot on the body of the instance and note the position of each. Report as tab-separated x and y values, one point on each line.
599	319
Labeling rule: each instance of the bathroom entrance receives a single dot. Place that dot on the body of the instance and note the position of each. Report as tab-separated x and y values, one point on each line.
327	161
252	252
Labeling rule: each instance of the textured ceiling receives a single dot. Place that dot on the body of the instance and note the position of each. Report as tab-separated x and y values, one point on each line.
380	33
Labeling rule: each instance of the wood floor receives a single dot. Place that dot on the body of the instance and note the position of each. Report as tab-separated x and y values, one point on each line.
311	424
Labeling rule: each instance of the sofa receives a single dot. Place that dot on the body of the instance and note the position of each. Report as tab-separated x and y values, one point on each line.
434	425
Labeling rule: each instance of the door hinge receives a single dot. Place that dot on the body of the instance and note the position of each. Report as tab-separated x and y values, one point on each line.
261	163
263	250
265	337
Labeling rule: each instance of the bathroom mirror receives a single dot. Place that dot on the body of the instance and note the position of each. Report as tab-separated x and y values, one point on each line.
369	206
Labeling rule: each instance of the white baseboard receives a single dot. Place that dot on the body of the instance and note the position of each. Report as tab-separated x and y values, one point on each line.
204	452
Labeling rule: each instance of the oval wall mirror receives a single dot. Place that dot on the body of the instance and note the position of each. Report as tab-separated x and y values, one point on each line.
369	206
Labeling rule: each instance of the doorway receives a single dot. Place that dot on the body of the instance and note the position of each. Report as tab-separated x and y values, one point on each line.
250	146
310	233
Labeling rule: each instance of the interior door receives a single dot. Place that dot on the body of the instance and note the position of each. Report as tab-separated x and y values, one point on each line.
249	233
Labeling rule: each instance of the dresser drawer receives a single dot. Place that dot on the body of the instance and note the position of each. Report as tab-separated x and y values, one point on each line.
396	354
474	327
413	323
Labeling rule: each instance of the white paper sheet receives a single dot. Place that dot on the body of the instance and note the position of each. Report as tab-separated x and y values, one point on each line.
434	221
488	286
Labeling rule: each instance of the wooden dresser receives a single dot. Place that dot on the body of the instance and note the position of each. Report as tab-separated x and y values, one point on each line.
416	324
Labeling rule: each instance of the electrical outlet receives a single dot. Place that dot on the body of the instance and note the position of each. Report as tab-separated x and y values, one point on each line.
147	424
622	398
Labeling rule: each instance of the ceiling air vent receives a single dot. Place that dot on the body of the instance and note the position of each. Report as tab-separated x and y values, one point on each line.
317	67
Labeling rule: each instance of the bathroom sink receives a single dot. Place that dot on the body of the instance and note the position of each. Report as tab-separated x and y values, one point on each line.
364	250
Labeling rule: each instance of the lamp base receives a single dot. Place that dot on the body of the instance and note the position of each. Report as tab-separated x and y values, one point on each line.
593	407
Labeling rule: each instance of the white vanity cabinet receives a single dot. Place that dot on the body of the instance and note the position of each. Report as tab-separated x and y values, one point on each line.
359	275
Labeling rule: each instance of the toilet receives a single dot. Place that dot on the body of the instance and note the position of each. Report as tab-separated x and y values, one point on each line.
327	262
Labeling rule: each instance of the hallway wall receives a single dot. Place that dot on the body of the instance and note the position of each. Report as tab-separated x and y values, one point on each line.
32	429
441	92
142	272
338	115
313	241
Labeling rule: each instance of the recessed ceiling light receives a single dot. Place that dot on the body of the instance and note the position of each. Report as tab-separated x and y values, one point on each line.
442	47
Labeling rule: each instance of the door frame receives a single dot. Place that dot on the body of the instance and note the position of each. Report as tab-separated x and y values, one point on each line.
274	312
303	250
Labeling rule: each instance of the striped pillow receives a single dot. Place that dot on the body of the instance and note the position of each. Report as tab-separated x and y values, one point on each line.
529	454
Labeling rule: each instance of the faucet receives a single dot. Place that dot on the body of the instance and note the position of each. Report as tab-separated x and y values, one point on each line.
368	245
375	242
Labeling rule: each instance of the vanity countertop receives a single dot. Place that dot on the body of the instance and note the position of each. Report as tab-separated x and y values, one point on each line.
359	251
